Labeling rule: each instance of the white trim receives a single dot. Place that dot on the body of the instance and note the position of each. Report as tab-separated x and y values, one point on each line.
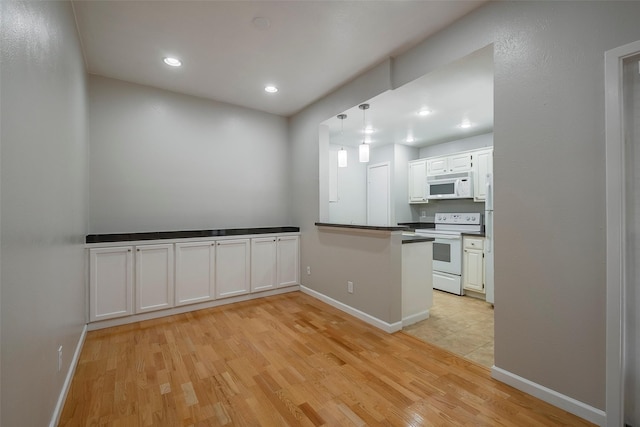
616	250
367	318
415	318
107	323
55	419
552	397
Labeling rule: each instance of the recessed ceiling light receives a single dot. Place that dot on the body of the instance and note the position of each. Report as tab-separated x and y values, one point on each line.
410	139
367	140
369	130
424	112
270	89
174	62
465	124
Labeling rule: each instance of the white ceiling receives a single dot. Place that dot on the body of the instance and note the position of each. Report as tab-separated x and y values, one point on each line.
308	50
462	90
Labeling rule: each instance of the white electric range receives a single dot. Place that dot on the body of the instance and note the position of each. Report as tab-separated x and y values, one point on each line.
447	247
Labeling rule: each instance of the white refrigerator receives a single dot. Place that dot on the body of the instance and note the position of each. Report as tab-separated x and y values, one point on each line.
488	230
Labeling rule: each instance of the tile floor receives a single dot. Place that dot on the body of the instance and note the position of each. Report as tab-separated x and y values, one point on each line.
460	324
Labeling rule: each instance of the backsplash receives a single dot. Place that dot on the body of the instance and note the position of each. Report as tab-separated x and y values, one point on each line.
426	212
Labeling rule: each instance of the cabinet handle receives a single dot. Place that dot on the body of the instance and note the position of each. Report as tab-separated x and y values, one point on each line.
138	250
128	250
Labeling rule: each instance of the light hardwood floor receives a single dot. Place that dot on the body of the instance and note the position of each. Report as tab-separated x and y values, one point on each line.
460	324
287	360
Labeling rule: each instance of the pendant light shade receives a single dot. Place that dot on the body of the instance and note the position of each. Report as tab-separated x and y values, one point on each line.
342	158
363	151
342	153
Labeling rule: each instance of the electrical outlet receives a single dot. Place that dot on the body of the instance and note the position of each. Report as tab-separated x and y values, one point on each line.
308	271
59	358
350	287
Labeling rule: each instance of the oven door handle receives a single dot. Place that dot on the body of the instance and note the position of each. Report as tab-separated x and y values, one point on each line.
441	237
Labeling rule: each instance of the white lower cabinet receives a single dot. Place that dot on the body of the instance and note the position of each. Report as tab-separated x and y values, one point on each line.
154	277
263	263
110	282
288	261
127	280
473	264
195	272
233	260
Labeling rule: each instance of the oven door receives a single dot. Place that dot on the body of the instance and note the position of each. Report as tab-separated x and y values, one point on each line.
447	254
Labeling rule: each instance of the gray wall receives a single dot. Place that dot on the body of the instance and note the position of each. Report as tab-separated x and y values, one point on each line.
166	161
632	167
351	207
43	202
549	177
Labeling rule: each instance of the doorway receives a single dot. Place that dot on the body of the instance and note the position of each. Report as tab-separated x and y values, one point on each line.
622	81
379	194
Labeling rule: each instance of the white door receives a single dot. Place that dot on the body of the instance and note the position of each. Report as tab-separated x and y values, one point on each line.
110	283
288	261
154	277
233	261
195	279
263	263
379	194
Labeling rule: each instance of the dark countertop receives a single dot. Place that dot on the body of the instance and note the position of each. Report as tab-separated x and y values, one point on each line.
416	225
185	234
361	227
416	239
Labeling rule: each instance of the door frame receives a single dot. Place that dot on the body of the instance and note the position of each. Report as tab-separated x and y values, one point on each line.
616	231
389	198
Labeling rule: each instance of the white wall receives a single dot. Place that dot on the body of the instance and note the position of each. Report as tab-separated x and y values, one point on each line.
43	205
549	172
465	144
166	161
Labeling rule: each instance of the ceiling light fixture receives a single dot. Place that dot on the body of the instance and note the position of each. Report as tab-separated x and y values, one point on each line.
342	153
465	124
363	151
410	139
424	112
174	62
270	89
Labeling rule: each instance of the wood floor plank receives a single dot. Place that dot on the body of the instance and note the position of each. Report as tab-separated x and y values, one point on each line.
286	360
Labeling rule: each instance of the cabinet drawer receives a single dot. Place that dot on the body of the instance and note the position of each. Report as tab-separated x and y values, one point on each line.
473	243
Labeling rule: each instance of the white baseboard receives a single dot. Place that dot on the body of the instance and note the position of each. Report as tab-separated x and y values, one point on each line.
567	403
415	318
118	321
374	321
67	381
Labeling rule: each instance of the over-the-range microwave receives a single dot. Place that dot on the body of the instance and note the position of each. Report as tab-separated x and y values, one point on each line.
450	186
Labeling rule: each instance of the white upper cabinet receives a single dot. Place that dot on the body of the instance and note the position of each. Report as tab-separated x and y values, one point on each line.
460	162
263	263
418	181
195	272
233	262
154	277
288	261
482	166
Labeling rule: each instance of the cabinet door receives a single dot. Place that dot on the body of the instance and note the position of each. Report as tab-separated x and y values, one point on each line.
263	263
110	283
418	181
195	272
473	270
437	165
154	277
482	165
288	261
233	262
459	162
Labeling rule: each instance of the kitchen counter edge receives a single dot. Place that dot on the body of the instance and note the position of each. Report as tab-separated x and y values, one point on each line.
185	234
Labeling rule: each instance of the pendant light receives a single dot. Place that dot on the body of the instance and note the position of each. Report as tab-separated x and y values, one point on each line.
342	153
363	151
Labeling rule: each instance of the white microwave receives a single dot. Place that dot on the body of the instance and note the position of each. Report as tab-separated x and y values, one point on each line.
450	186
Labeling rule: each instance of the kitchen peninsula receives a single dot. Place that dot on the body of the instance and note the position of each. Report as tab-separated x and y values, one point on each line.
380	275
